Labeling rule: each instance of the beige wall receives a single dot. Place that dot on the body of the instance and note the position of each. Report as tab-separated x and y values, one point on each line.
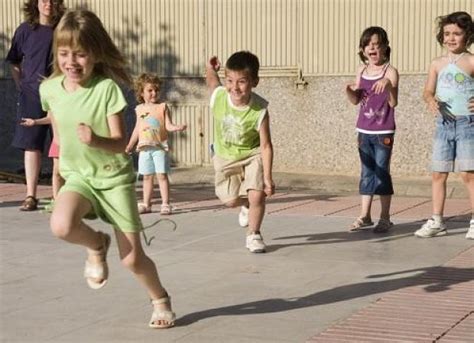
313	128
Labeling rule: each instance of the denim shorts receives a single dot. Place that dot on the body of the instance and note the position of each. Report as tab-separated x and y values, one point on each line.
453	145
153	161
375	151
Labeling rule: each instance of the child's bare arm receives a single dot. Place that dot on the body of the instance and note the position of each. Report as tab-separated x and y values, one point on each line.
169	125
115	143
133	140
266	149
352	89
212	78
429	92
32	122
55	130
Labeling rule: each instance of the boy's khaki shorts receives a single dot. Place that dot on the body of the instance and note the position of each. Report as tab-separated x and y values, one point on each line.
235	178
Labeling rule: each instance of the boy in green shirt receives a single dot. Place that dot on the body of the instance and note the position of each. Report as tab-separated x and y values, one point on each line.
242	143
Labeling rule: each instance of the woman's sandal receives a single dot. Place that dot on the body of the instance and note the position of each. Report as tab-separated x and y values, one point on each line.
162	319
143	209
29	204
166	210
360	223
100	270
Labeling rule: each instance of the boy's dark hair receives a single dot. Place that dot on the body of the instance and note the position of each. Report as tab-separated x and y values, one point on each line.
30	10
140	82
461	19
383	41
244	60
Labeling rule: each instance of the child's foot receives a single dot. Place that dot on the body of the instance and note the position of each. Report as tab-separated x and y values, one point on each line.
360	223
143	208
383	226
470	231
96	270
244	216
162	317
431	228
254	242
166	210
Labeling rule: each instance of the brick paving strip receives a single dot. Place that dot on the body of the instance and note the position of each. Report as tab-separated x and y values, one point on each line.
439	308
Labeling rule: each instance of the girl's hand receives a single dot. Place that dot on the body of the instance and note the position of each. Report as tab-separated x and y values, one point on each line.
129	150
382	85
27	122
181	127
470	106
85	134
214	64
269	187
433	106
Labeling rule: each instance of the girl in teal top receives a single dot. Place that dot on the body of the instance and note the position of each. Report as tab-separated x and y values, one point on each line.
86	106
449	94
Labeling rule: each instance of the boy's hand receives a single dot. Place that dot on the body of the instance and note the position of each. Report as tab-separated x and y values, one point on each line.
129	150
214	64
85	134
269	188
27	122
382	85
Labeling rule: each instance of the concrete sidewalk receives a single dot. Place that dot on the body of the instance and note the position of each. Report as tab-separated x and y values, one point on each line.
315	277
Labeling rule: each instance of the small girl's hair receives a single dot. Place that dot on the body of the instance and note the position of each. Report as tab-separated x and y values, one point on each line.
461	19
82	29
140	82
244	60
383	41
30	10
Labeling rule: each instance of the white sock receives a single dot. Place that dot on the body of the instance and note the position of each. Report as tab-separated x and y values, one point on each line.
438	218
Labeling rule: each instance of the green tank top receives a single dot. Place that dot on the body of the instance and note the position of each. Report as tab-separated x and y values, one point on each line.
236	129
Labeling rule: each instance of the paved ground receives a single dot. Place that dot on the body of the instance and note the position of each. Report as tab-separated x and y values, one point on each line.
315	281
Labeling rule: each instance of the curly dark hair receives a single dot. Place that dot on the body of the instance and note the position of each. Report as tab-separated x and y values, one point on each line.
461	19
30	10
383	40
140	82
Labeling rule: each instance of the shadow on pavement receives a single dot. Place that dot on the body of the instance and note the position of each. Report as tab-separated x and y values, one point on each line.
434	279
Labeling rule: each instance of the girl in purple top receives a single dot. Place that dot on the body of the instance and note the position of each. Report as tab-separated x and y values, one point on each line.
376	90
30	59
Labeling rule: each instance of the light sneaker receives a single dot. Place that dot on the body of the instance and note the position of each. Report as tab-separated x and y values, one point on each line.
431	229
254	242
470	231
244	216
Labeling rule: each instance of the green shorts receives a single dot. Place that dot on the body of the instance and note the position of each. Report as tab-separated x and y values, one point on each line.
116	206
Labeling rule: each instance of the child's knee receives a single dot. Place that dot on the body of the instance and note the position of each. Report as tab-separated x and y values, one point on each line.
233	203
439	176
148	177
62	226
133	261
162	177
467	177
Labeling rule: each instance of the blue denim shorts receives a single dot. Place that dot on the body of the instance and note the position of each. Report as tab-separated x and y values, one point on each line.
375	152
453	145
153	161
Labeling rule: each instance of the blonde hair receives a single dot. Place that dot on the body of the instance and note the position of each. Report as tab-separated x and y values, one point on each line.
83	29
140	84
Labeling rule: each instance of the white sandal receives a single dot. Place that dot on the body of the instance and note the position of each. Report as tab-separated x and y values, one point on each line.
98	270
162	315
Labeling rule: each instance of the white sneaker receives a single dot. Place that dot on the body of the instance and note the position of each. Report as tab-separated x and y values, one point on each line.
244	216
470	231
431	229
254	242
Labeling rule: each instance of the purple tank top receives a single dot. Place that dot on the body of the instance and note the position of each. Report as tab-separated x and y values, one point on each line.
375	114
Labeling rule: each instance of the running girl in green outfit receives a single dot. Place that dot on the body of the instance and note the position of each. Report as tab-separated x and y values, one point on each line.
86	105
